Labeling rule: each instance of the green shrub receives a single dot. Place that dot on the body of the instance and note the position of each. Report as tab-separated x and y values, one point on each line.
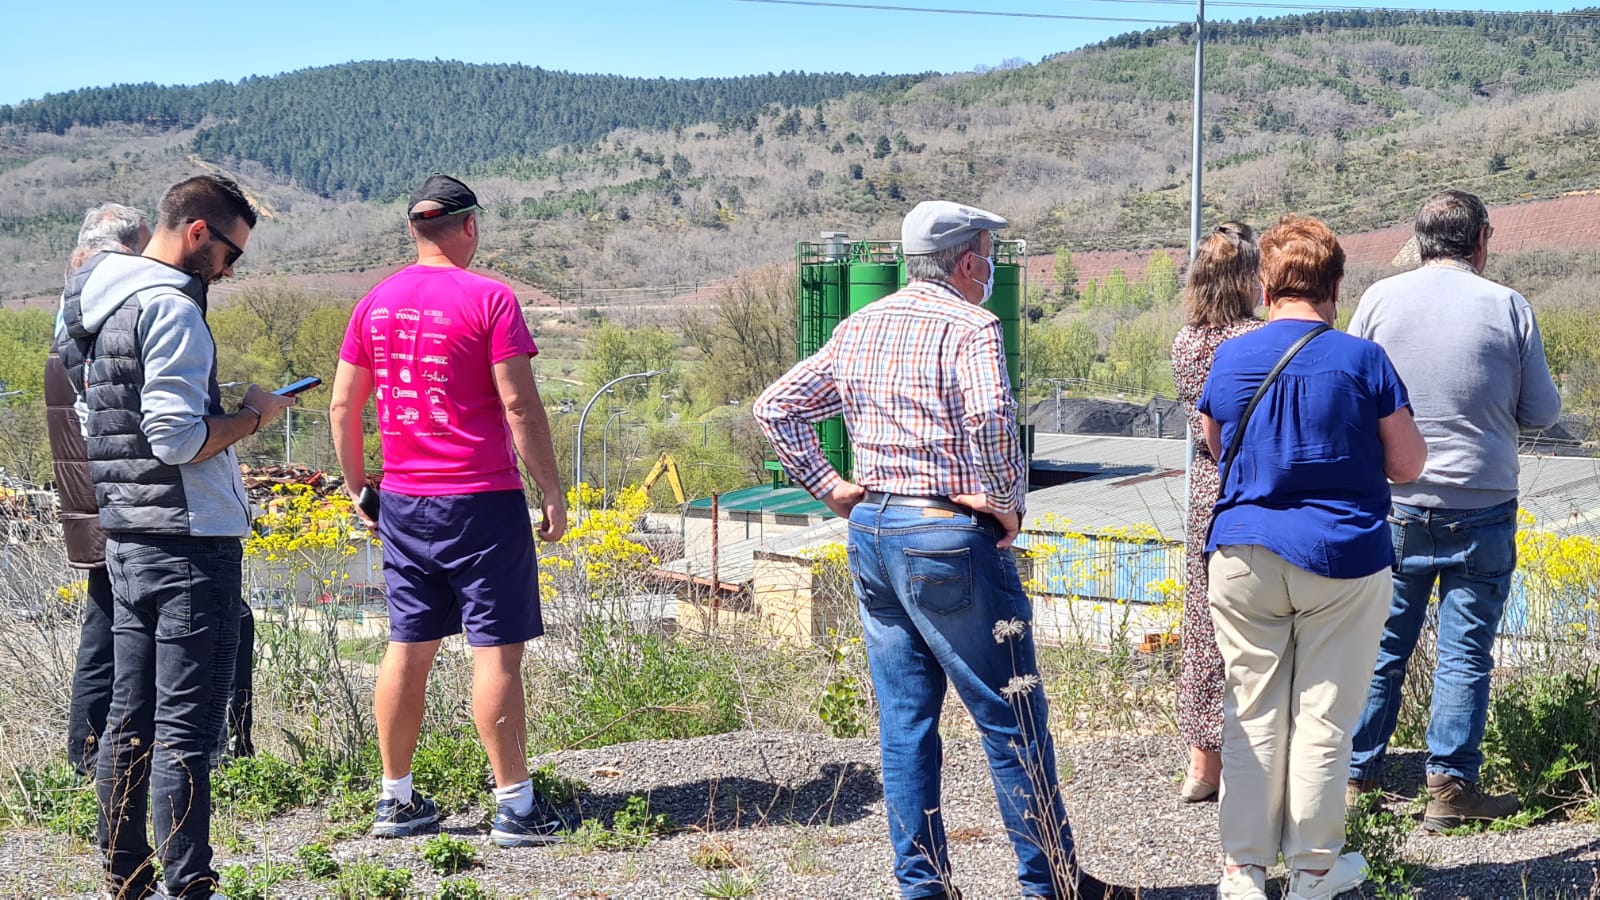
634	825
54	797
448	855
366	879
556	787
261	786
461	889
1543	739
643	686
318	860
255	882
1380	836
451	767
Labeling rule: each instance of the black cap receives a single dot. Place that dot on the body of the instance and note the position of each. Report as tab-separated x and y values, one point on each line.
440	195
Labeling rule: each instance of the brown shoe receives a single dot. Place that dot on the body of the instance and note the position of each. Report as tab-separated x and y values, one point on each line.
1355	787
1453	801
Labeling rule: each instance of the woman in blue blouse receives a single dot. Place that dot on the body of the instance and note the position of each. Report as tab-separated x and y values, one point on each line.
1300	562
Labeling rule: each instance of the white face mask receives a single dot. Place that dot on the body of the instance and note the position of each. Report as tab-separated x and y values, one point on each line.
988	283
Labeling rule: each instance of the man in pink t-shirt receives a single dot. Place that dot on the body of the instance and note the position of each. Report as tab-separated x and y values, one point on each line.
447	353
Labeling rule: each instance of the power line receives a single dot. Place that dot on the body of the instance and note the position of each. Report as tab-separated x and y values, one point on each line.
1312	7
1007	14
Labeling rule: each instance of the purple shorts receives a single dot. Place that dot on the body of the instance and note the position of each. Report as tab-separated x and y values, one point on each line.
462	562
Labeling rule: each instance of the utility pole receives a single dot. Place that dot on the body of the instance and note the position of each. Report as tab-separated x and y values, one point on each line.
1199	123
1194	205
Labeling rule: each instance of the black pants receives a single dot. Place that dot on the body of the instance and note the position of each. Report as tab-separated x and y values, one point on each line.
91	679
241	714
176	633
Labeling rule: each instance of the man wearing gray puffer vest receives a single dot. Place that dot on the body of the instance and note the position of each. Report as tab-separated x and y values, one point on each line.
1470	353
143	365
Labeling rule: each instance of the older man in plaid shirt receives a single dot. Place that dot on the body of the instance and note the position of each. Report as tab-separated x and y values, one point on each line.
921	381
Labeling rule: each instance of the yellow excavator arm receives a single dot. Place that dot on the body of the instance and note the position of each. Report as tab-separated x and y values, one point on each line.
667	466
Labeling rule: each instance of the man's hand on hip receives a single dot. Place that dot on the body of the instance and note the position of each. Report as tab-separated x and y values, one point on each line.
844	497
1010	521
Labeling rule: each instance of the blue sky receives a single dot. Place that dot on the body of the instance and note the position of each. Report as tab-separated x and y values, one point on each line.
53	46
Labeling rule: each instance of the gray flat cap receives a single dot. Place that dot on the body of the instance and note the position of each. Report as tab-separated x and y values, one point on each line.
935	225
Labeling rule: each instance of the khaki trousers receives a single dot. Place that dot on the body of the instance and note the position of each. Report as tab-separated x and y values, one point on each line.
1298	650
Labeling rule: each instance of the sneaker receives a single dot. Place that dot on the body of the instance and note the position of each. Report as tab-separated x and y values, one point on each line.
542	825
1249	883
395	819
1348	873
1356	787
1453	801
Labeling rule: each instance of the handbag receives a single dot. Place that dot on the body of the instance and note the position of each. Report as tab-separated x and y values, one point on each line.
1228	455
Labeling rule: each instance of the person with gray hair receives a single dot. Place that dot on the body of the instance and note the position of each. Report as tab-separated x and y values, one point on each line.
1471	353
937	499
109	227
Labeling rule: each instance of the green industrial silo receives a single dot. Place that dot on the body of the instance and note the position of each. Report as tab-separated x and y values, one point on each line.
823	301
876	271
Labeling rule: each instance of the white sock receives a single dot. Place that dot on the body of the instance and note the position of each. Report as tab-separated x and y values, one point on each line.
518	796
398	789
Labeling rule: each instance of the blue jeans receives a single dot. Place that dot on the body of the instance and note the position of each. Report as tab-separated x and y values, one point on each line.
176	634
1470	553
940	604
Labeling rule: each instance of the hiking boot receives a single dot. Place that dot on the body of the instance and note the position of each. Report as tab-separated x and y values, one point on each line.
1453	801
1092	888
542	825
1355	787
1347	873
1249	883
396	819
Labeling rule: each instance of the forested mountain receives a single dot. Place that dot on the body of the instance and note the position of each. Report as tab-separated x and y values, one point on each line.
369	129
628	189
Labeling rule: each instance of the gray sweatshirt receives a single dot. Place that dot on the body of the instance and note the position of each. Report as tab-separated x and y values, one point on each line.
142	359
1471	357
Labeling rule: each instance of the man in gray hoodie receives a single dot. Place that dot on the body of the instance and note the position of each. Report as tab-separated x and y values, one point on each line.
1470	353
144	367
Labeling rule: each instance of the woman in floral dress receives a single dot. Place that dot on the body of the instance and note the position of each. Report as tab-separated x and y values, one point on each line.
1219	298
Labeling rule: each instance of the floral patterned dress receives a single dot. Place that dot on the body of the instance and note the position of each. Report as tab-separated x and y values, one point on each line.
1200	680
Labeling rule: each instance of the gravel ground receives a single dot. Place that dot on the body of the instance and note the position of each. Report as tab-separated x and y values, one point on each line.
803	816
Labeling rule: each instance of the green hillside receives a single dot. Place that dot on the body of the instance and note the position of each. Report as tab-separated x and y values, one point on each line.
600	186
371	128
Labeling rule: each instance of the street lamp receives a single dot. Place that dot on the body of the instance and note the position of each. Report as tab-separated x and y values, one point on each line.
577	440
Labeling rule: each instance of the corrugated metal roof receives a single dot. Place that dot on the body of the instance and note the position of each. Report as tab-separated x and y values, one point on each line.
1104	503
736	559
790	500
1108	454
1562	493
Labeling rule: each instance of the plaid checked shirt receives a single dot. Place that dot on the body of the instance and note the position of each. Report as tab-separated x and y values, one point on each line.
920	378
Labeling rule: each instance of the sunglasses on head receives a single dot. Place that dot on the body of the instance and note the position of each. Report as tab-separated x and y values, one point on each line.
234	250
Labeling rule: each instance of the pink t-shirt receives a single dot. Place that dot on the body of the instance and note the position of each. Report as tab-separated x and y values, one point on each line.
431	336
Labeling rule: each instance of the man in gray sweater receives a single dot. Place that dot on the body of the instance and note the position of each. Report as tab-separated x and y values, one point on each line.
1470	353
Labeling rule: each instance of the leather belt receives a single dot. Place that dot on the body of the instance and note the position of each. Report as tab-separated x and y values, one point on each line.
876	498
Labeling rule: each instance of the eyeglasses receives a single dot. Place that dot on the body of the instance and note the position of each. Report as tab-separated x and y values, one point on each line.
234	250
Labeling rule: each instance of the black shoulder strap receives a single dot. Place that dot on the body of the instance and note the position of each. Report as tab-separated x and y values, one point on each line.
1228	455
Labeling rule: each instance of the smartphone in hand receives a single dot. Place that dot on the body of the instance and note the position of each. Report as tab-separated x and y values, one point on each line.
368	502
299	387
